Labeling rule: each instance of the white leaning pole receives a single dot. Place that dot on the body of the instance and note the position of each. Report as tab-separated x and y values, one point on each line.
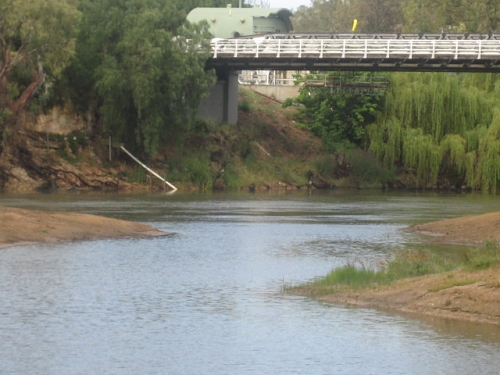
148	169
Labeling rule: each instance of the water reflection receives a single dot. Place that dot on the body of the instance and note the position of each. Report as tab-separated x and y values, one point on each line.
208	300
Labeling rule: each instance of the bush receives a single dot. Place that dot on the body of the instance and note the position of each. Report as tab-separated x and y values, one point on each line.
365	167
244	105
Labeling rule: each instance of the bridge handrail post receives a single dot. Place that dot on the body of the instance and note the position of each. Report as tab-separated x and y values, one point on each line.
411	49
480	49
343	48
321	49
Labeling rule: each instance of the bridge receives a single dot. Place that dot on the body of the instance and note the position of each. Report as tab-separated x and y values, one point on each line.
350	52
360	52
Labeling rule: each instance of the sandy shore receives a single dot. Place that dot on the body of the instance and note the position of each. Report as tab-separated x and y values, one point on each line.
441	295
19	226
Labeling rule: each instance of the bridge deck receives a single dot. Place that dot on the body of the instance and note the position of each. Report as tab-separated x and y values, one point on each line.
387	52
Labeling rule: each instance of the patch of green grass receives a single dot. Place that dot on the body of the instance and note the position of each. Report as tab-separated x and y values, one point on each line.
483	257
352	276
244	105
405	264
137	175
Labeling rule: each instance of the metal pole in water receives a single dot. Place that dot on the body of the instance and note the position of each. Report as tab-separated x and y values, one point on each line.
147	168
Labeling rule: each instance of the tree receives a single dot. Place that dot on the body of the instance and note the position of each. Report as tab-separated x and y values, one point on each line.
378	16
324	17
438	125
333	110
38	35
142	65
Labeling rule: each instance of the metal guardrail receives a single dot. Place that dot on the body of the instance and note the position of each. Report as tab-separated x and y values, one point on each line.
366	54
357	48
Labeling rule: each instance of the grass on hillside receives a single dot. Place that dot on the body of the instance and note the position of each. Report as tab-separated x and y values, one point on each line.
404	264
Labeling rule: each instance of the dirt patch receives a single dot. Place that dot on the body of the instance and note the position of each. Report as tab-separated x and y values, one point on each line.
19	226
439	295
461	295
468	230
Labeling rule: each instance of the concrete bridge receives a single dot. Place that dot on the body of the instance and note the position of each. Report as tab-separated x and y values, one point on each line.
343	52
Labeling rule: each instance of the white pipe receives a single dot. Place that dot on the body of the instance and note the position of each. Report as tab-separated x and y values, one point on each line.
148	169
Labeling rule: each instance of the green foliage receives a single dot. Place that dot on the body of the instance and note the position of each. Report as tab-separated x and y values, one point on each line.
406	264
244	105
388	16
416	263
351	276
138	175
437	124
338	119
141	62
337	16
326	166
192	169
364	167
37	32
482	258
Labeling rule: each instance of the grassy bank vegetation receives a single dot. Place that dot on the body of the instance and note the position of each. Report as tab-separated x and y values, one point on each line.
267	149
404	264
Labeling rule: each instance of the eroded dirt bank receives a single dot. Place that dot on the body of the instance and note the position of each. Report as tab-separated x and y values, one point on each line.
24	226
462	295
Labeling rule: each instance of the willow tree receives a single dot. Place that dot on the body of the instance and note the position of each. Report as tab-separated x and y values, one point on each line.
440	124
140	67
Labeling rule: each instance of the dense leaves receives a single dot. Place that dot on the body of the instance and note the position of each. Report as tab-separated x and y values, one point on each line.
37	39
387	16
442	126
337	116
141	68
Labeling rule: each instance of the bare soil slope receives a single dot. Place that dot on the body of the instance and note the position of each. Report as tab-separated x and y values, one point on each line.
469	230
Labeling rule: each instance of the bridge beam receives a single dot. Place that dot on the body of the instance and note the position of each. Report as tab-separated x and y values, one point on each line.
221	104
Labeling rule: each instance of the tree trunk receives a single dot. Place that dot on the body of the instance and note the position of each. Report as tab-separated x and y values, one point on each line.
22	101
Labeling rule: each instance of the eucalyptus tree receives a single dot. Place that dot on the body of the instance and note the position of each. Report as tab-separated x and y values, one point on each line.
373	16
37	40
324	16
378	16
141	69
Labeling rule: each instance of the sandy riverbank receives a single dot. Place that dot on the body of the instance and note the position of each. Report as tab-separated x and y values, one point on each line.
19	226
478	301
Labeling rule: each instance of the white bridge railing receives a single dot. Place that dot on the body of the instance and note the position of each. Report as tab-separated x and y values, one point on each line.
356	48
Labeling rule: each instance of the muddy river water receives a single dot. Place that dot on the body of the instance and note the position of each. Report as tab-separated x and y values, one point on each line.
208	299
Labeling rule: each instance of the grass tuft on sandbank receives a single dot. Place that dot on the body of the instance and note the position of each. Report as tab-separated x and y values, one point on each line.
404	264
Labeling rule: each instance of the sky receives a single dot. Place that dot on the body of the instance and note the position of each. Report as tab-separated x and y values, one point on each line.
289	4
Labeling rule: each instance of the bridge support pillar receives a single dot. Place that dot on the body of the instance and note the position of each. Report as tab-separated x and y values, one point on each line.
221	104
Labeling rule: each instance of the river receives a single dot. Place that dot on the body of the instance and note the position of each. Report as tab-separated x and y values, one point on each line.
208	299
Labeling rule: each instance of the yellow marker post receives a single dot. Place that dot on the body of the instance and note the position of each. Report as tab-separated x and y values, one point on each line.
354	24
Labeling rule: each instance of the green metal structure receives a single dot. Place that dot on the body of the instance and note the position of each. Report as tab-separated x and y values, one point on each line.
235	22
